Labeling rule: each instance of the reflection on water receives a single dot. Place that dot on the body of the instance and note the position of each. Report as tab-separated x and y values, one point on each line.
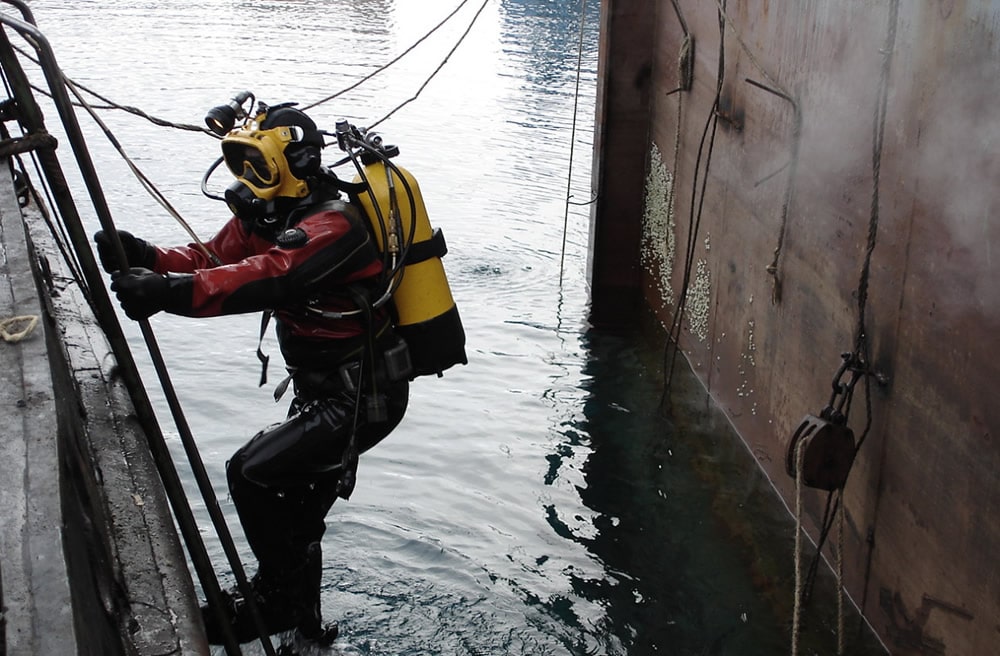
534	501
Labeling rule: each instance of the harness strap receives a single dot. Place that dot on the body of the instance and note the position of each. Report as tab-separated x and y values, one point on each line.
264	359
279	391
350	188
425	250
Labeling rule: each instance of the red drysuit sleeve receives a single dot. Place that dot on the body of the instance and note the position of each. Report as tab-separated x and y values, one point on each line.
258	275
231	244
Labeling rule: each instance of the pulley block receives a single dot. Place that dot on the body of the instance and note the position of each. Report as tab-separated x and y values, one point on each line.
827	453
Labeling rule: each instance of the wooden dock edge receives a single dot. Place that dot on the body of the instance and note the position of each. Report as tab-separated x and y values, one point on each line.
90	561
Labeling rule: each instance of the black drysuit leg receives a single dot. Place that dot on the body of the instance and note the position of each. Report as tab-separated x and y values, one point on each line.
284	480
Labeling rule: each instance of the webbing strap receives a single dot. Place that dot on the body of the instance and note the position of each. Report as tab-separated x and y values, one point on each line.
264	359
425	250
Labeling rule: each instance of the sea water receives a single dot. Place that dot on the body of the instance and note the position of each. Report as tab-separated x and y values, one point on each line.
537	500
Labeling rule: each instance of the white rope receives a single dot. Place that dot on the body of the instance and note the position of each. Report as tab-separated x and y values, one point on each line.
796	613
840	574
26	323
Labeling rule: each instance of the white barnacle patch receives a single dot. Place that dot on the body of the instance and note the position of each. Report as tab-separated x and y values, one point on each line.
658	241
699	296
747	362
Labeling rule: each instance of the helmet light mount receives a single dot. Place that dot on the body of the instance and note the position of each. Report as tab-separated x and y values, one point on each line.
222	118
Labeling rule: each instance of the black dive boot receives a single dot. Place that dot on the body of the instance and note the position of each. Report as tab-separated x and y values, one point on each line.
310	624
286	598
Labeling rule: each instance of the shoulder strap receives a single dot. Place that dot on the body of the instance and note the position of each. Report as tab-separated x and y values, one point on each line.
329	179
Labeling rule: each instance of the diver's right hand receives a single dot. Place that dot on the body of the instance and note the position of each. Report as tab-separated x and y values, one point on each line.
143	293
139	252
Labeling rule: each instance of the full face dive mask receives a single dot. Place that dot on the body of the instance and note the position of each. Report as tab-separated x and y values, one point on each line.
271	157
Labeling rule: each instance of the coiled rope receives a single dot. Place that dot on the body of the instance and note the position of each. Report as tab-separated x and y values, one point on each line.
23	326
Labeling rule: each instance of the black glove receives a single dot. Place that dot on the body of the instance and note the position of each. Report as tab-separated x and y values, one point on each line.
139	252
143	293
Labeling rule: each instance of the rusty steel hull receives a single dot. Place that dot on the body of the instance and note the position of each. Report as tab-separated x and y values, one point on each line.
798	179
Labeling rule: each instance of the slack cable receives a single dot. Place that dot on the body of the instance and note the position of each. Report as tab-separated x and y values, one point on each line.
572	138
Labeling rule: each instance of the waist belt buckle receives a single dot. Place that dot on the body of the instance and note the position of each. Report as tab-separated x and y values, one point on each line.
349	374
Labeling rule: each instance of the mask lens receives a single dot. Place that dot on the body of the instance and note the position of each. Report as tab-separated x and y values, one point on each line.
247	162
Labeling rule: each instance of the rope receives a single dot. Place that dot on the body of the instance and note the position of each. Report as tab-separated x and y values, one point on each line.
829	515
110	104
840	580
797	611
685	60
793	165
694	218
680	17
148	185
672	346
682	68
25	323
572	138
803	584
739	39
390	63
145	181
774	88
861	347
861	350
878	128
861	336
878	137
436	70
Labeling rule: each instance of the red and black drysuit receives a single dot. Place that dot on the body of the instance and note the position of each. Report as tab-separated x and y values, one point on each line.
319	259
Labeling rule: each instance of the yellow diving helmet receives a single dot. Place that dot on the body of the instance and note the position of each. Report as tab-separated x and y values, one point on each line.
272	156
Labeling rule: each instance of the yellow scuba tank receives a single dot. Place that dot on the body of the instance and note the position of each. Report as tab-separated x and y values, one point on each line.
426	315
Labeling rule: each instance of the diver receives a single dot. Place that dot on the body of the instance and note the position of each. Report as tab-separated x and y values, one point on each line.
295	251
